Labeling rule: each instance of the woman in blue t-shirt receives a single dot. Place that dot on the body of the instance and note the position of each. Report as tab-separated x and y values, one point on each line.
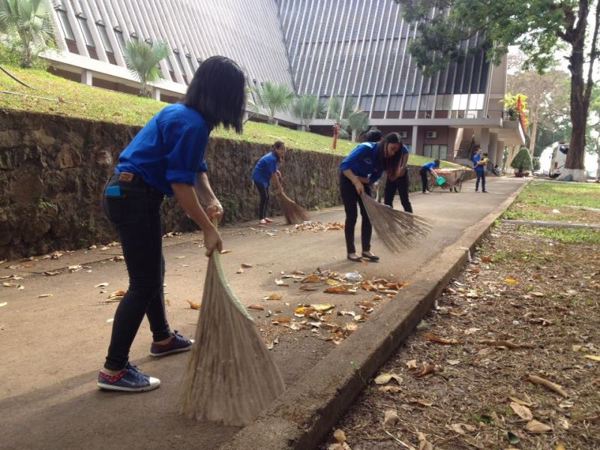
165	158
362	167
426	169
265	171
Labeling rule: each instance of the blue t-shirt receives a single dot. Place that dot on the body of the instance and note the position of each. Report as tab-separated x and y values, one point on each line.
430	165
169	149
364	161
265	168
478	168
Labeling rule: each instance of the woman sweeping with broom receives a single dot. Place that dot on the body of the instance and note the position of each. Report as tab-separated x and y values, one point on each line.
363	166
165	158
265	171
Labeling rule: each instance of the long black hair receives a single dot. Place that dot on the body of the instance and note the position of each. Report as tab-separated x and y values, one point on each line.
217	91
388	163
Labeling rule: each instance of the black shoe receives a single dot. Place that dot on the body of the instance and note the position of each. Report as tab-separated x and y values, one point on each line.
371	258
485	192
354	258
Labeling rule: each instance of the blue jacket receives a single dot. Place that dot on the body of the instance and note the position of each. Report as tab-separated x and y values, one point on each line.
169	149
265	168
478	168
364	161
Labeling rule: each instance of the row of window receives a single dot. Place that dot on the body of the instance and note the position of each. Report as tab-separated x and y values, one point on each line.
84	27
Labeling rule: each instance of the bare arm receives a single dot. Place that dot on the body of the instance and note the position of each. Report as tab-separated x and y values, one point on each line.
207	197
276	180
187	199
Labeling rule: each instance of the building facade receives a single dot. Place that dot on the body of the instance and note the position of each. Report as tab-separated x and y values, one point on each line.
355	50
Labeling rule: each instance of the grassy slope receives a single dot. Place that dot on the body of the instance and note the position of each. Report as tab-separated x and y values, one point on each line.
554	201
64	97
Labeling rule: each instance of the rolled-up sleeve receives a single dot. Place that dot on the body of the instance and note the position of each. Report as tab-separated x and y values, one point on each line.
186	158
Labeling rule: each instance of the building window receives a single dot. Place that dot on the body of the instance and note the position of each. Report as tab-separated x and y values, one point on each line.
120	38
65	25
85	30
435	151
104	37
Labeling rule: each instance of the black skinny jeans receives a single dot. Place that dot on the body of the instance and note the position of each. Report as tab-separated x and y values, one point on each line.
480	177
424	181
350	198
263	191
400	185
136	215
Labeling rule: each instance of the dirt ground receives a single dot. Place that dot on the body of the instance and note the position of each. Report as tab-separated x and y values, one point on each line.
526	306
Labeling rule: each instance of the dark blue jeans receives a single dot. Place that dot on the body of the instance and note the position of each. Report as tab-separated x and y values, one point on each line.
263	191
480	177
135	212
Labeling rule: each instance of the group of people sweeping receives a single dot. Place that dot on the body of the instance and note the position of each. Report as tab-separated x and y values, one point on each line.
167	158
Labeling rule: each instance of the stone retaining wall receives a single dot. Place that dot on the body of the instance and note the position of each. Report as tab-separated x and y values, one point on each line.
53	169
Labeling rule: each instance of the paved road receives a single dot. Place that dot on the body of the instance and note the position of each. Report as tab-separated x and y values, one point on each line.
53	346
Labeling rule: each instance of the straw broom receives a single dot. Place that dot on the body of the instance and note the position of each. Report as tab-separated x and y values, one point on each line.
293	212
397	229
231	376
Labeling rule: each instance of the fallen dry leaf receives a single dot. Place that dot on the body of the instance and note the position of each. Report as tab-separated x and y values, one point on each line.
390	418
593	357
393	389
193	305
322	307
560	446
385	378
425	370
275	296
341	289
412	364
246	266
424	444
45	295
239	271
462	428
548	384
101	285
312	278
522	411
256	307
51	273
3	304
526	402
511	281
281	283
537	427
440	340
420	402
281	320
339	436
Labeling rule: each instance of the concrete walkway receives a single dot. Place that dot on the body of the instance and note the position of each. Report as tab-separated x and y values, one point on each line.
53	346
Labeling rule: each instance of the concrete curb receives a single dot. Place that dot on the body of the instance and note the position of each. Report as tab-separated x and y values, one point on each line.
301	418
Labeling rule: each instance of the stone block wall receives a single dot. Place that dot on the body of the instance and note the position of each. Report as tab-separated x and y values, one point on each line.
53	170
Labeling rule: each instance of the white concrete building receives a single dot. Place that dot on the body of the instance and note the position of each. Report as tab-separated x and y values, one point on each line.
356	50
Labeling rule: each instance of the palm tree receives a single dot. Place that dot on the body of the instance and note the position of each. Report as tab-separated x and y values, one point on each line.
304	108
275	97
358	121
142	60
29	22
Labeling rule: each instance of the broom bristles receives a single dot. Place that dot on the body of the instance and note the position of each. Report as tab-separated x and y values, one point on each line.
293	212
396	229
231	376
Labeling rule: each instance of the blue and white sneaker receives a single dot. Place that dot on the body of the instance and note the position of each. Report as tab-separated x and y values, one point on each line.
176	345
130	379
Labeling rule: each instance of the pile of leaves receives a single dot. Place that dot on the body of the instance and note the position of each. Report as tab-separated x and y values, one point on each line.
509	358
316	227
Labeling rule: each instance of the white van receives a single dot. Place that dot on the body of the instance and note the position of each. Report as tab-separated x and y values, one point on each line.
559	159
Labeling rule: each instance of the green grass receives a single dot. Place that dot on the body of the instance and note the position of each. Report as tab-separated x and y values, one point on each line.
567	235
56	95
539	200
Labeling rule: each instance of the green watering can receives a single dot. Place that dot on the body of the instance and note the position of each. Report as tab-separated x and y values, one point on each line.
440	181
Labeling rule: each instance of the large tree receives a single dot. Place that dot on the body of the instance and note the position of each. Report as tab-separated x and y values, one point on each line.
539	27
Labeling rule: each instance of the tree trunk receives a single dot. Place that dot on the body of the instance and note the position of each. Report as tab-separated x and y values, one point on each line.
353	135
598	162
574	167
533	135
